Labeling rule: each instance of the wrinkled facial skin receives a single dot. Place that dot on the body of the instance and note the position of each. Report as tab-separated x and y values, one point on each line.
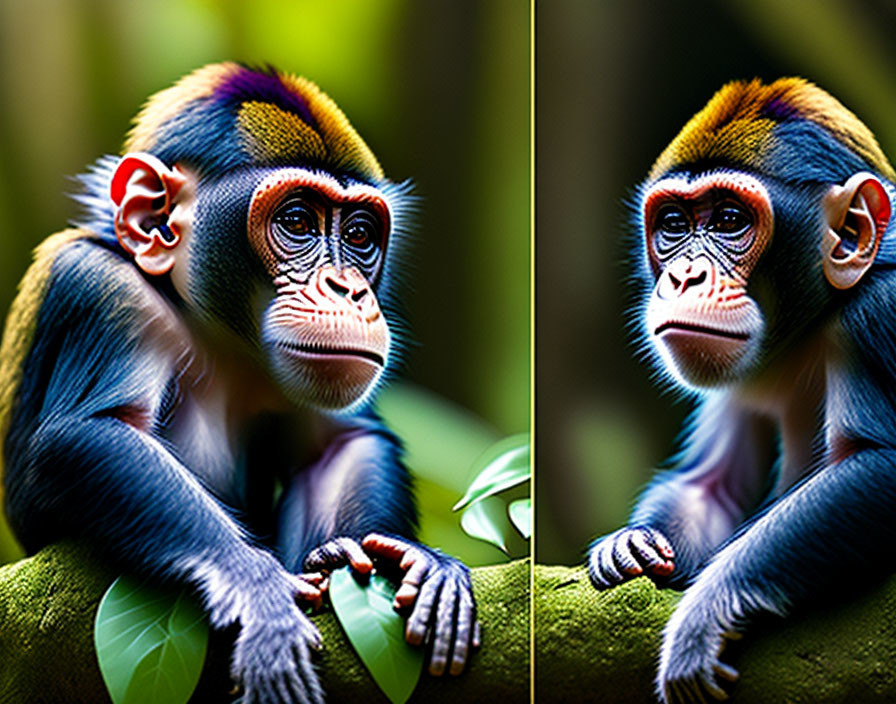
322	244
704	237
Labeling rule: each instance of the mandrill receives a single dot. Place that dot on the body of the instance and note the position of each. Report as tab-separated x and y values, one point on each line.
211	335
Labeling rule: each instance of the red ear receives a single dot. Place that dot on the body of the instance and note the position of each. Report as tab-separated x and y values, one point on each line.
144	189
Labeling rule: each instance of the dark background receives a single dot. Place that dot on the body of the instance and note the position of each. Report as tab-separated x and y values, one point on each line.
615	82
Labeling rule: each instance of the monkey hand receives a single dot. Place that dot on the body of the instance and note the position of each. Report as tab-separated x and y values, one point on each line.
272	658
693	640
337	553
628	553
436	589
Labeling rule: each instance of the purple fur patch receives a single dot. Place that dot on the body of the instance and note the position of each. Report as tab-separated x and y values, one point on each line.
264	86
777	110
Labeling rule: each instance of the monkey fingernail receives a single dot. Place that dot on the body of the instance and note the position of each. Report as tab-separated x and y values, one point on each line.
726	671
664	569
406	594
413	638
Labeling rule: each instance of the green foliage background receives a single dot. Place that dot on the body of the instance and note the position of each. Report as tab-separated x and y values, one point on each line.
615	82
439	90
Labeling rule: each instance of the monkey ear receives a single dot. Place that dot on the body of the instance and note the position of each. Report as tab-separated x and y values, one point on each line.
144	189
856	215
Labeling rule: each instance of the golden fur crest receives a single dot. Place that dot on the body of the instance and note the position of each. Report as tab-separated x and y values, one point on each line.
737	125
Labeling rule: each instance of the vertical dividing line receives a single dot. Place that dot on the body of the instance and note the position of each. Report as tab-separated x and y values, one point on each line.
532	348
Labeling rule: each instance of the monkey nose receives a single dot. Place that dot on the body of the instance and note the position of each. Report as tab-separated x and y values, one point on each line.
336	287
342	287
685	277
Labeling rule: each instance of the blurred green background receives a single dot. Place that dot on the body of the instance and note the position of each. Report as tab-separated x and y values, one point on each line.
438	89
615	81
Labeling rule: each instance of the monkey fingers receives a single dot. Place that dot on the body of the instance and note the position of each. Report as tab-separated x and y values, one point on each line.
336	553
438	590
696	681
693	692
690	669
652	551
310	588
273	654
627	553
412	561
601	567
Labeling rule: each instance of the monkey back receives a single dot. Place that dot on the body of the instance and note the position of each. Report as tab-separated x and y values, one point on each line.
21	322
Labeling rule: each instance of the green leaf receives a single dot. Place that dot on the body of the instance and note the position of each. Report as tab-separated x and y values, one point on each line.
521	516
505	464
487	520
377	632
150	643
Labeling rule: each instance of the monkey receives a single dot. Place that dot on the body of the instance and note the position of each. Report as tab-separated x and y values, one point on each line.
766	263
188	373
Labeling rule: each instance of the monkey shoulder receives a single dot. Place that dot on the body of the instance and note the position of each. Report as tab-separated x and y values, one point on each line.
97	299
85	318
90	276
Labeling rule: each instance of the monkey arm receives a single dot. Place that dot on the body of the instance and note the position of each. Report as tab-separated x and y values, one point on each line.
104	479
689	510
356	505
358	486
82	455
836	524
82	460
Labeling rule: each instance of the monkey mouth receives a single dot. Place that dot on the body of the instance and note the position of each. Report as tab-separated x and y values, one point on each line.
702	330
325	352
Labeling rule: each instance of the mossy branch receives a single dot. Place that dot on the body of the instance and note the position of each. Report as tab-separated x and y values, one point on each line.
591	646
603	646
48	603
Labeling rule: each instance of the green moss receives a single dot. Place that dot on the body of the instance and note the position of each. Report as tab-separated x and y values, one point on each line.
604	646
589	642
48	603
591	646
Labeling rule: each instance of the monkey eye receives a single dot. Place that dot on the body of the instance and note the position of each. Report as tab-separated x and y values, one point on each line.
361	230
671	226
672	220
729	219
294	222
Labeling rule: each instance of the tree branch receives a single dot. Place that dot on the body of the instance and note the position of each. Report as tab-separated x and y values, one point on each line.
604	646
591	646
48	603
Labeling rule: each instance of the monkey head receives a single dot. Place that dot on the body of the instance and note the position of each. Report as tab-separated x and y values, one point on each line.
745	243
273	220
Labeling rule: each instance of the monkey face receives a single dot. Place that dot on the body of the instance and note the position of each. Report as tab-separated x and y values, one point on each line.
704	236
322	243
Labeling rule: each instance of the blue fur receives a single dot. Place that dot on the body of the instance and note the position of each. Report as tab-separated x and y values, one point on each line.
203	136
98	210
65	443
804	152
